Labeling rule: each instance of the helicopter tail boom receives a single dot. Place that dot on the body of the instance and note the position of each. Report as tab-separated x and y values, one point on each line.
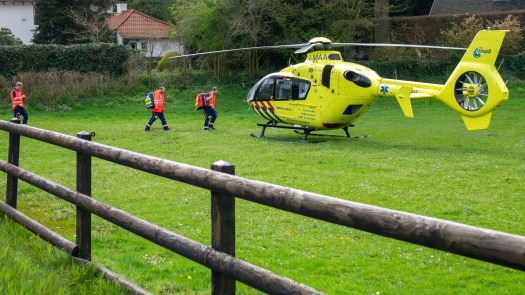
475	87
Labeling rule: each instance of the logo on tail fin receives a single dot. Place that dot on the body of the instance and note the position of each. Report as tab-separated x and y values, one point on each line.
478	51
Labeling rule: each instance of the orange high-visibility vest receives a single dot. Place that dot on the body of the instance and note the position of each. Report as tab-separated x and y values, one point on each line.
211	101
16	98
158	98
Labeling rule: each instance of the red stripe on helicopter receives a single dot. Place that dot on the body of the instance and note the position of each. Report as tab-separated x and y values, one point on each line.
267	110
257	109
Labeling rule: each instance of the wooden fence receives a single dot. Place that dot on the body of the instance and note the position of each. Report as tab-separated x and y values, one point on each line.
479	243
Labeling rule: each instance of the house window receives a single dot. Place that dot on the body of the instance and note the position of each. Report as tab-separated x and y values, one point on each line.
144	46
133	45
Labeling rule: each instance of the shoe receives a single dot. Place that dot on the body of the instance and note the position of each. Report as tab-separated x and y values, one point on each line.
166	128
206	128
146	129
211	127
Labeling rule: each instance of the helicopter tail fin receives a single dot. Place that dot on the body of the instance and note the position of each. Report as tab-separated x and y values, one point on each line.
475	87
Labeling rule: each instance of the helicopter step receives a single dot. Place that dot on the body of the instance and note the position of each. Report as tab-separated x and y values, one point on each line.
305	131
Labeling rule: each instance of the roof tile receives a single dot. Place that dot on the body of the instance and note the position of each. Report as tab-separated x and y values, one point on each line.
133	24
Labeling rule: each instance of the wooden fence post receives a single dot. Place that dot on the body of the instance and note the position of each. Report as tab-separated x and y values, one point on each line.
13	157
223	230
83	237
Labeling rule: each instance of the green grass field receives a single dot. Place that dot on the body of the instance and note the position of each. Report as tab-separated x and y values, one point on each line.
430	165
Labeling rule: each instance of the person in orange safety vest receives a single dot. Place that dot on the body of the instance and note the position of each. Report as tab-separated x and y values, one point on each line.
210	114
158	110
17	98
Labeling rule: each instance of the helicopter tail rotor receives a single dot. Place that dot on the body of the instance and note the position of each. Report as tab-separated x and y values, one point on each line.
475	87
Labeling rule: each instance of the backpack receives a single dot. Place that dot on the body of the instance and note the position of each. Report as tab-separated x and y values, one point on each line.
150	103
200	101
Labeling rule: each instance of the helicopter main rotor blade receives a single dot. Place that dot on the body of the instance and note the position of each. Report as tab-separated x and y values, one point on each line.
240	49
305	48
395	45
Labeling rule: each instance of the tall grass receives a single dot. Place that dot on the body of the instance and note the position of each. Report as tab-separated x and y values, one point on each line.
32	266
429	165
60	91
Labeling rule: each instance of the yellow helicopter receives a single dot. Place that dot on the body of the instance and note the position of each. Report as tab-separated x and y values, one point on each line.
325	92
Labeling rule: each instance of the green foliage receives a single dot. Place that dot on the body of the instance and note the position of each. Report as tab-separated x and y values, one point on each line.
459	30
514	38
66	22
462	33
413	70
7	38
157	9
64	91
100	57
512	66
215	25
167	63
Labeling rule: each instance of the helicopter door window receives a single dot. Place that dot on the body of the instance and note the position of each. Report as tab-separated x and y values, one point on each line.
303	88
284	89
291	89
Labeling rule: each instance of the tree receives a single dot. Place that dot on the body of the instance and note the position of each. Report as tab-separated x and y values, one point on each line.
208	25
92	26
55	24
155	8
251	20
7	38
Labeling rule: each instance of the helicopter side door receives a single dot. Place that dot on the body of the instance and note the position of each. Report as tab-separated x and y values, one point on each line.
283	98
276	97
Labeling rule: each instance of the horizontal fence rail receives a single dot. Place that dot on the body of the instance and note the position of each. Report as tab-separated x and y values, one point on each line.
474	242
245	272
40	230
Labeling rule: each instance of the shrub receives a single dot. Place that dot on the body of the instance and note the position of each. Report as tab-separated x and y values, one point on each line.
167	63
101	58
62	90
514	38
462	33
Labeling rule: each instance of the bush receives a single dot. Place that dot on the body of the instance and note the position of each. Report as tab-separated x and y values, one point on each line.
100	58
60	91
167	63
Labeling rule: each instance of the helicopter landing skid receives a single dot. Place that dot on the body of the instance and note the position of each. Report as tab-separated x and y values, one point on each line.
305	132
333	135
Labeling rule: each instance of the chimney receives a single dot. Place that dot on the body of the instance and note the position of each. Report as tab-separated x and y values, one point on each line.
121	7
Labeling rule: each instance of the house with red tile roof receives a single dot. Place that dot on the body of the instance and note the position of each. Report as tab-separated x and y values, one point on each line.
141	31
19	17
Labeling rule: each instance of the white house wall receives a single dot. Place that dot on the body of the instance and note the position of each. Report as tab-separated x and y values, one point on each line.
19	18
161	47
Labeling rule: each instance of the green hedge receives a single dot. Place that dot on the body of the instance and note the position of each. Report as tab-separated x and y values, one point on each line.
100	57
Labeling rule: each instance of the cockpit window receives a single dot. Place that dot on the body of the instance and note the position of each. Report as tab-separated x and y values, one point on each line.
279	88
266	90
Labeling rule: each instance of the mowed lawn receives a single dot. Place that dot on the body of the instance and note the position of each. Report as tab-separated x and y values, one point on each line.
430	165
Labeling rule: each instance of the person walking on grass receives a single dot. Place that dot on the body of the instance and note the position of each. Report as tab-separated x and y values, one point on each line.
18	98
158	110
210	114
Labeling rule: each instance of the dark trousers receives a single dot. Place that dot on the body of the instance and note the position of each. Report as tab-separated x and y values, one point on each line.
154	116
210	115
20	111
